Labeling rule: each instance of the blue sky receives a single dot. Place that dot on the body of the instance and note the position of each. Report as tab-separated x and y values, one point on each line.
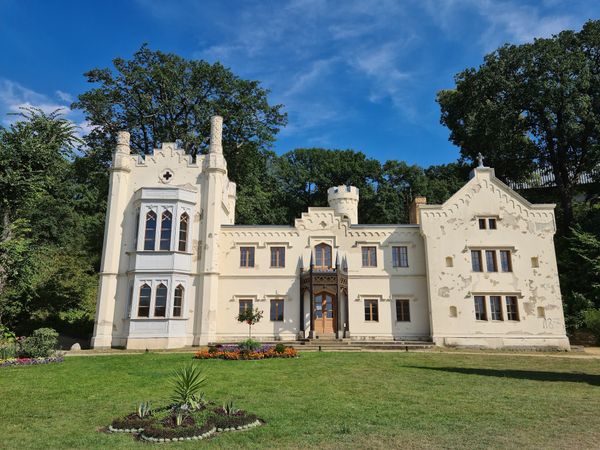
351	73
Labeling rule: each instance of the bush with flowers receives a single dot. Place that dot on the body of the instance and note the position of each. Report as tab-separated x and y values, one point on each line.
242	351
39	348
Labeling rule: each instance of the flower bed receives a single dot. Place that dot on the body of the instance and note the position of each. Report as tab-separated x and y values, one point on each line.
233	352
30	361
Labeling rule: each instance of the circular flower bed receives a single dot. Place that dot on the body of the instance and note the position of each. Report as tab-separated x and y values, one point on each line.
234	352
30	361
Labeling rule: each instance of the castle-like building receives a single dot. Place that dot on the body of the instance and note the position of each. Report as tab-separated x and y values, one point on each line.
479	270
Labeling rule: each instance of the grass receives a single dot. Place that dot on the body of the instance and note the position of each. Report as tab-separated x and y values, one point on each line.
320	400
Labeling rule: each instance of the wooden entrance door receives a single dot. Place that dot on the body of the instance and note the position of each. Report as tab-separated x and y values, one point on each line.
324	313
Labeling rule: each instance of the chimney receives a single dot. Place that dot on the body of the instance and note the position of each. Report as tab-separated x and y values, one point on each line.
413	212
216	134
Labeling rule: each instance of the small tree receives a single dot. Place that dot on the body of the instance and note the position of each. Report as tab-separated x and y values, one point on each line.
251	317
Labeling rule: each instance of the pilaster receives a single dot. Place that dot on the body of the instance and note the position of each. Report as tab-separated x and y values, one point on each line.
112	249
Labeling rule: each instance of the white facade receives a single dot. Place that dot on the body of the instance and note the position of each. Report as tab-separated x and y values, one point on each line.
176	270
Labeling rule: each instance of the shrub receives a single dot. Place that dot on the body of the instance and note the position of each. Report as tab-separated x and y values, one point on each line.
41	344
249	345
591	318
280	348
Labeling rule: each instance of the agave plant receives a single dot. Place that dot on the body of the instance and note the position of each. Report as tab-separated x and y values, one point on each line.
144	410
229	408
187	382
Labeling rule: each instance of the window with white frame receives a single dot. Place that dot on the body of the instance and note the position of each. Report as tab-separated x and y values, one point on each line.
178	300
144	301
150	231
166	224
183	232
400	256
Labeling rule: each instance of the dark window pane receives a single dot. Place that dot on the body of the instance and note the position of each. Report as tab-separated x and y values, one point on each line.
476	261
482	224
160	304
244	305
144	301
276	310
178	301
183	232
512	308
247	256
490	259
505	261
165	231
277	256
480	311
369	257
402	311
496	307
150	233
492	224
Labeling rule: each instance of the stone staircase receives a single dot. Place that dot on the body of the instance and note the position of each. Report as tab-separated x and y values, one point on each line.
347	345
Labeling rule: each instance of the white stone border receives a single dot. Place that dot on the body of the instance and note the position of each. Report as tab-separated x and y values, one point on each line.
205	435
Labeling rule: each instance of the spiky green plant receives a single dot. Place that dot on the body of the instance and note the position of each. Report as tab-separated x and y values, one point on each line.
187	382
144	410
229	408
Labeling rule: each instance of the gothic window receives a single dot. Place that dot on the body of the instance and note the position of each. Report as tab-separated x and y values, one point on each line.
165	230
244	305
276	310
178	301
277	256
369	256
512	308
150	233
476	261
480	310
144	301
183	232
160	303
402	311
371	311
400	256
323	256
505	261
246	256
496	307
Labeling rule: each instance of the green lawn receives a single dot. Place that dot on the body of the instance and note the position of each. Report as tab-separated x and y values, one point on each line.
320	400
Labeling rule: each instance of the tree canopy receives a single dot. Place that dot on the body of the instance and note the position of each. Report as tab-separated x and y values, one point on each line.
535	105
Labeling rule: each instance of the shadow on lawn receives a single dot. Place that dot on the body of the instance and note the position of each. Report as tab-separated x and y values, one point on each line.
593	380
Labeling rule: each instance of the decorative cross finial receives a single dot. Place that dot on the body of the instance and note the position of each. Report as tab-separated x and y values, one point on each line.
480	159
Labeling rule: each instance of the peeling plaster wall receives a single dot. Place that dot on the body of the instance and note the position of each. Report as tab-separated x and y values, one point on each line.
451	230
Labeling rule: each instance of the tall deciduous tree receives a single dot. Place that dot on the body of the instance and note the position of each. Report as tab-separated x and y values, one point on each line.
532	105
304	175
162	97
35	154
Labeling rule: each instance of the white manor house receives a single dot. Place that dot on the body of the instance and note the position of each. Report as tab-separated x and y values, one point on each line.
479	270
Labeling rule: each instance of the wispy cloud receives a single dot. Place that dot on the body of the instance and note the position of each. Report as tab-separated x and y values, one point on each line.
14	97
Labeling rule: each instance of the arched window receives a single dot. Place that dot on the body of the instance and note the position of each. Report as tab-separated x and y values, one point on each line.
150	234
165	230
144	301
160	305
183	232
178	301
323	256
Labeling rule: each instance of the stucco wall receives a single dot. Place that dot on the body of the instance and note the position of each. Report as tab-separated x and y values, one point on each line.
452	231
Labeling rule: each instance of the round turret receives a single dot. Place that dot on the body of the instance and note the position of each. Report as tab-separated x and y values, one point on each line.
344	200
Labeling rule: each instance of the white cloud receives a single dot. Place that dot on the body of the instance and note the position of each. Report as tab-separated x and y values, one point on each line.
14	97
64	96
